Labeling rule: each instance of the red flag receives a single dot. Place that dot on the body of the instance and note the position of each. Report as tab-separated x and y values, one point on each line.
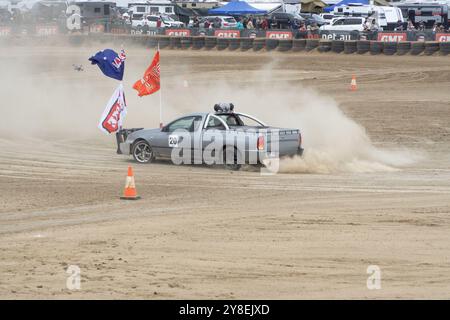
150	82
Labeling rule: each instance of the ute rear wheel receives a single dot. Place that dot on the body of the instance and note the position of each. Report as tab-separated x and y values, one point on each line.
231	158
142	152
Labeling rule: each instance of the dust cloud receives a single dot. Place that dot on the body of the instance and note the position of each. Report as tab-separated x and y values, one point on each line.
44	97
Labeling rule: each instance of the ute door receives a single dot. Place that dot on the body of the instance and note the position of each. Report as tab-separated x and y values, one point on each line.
173	134
213	128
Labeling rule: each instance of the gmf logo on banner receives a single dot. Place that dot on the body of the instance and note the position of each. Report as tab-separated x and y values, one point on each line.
442	37
227	33
279	35
178	32
392	37
43	30
5	31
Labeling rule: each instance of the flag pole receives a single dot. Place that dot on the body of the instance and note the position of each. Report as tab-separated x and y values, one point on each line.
160	96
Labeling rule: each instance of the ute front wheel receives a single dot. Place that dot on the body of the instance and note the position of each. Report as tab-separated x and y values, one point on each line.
142	152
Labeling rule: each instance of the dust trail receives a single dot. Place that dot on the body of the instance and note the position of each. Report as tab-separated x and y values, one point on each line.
333	142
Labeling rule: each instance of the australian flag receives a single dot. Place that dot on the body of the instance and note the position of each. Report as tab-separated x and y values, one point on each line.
111	63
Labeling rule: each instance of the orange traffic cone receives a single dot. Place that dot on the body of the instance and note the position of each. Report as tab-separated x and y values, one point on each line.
130	188
353	86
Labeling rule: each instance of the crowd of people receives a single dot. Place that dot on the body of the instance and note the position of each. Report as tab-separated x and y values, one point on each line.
253	23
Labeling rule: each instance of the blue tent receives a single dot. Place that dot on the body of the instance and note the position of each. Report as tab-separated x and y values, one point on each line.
344	3
236	8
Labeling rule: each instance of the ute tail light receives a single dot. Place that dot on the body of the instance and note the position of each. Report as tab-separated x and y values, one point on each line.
260	143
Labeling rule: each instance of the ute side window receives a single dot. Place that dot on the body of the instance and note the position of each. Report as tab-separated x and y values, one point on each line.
231	120
187	123
214	123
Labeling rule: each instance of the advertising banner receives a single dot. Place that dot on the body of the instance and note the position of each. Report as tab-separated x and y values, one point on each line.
178	32
46	30
227	33
392	36
281	35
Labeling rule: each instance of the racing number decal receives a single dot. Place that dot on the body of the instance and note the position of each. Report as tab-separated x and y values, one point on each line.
173	141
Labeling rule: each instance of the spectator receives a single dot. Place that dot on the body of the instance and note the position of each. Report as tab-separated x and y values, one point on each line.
239	25
264	24
217	23
421	26
314	28
250	24
294	24
411	26
435	27
158	23
206	24
367	24
258	23
302	27
196	22
399	26
374	27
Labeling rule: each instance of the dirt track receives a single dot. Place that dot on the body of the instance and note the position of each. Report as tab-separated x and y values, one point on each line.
209	233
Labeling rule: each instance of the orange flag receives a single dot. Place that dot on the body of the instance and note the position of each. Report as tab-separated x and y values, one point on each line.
150	82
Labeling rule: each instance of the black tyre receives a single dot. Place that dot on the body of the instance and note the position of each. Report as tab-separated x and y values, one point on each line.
142	152
403	47
298	45
163	42
231	158
311	44
186	42
362	46
258	44
152	42
350	47
234	43
175	42
284	45
337	46
222	43
417	48
390	48
444	48
324	46
271	44
376	47
431	48
198	43
210	42
246	44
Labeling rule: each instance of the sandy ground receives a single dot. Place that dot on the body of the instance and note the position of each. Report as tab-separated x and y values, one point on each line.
200	232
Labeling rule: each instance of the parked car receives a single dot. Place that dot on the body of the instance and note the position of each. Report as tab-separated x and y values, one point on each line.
345	24
151	21
226	22
311	18
227	137
283	20
327	17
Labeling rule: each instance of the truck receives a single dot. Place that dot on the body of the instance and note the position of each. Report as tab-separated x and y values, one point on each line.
426	13
388	18
223	137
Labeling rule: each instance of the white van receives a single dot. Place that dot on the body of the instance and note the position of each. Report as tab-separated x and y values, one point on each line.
388	18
